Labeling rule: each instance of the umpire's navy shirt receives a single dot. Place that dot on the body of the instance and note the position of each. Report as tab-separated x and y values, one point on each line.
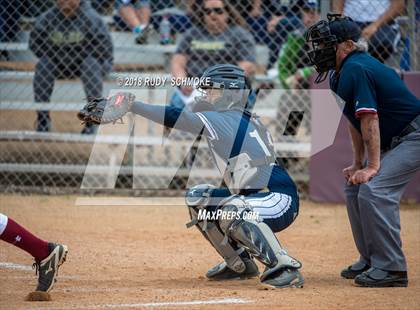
368	86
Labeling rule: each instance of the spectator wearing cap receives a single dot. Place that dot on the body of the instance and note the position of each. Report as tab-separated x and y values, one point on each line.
293	64
217	37
384	126
376	18
70	40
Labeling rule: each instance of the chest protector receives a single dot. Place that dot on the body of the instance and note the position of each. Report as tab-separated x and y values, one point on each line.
241	169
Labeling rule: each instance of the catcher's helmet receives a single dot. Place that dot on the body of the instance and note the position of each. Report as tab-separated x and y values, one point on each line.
229	78
224	76
324	37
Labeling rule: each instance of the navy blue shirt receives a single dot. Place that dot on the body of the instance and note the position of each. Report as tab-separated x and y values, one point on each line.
230	126
70	40
368	86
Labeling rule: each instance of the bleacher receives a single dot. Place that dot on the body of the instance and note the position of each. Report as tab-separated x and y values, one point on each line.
16	102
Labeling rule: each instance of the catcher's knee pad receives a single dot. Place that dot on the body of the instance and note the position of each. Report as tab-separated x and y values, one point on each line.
197	200
199	196
231	210
254	235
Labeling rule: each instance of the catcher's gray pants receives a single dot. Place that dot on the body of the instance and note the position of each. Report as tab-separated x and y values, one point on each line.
373	207
90	71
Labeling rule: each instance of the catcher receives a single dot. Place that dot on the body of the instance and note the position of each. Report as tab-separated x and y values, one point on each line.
243	151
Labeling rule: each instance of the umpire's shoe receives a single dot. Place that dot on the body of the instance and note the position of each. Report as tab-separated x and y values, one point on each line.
222	272
47	269
375	277
354	270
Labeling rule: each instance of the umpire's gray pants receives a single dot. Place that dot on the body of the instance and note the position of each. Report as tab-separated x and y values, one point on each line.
373	207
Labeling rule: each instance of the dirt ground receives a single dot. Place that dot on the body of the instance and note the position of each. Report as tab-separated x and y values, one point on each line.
125	257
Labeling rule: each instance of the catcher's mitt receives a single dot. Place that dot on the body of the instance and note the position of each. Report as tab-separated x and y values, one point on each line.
106	110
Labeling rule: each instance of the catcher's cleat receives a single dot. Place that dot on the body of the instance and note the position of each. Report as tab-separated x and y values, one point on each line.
222	272
47	269
288	277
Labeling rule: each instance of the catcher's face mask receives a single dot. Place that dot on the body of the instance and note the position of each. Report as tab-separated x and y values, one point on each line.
221	99
210	95
208	98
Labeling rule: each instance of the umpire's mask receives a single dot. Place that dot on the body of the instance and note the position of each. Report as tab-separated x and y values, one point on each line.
324	36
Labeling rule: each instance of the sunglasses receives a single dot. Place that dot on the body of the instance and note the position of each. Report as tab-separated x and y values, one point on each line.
218	11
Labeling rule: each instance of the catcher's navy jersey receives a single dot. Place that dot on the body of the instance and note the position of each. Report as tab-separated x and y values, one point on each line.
228	133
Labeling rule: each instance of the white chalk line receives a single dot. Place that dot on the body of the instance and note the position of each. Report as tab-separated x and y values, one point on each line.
158	304
130	201
13	266
7	265
19	267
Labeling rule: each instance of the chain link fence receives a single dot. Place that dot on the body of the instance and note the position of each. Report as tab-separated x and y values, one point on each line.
55	54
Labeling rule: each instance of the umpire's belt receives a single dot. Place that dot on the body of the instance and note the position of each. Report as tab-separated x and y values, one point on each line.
412	127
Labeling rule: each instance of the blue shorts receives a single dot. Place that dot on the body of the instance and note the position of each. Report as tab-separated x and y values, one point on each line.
278	210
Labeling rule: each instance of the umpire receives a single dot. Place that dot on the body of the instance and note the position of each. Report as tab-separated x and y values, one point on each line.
384	124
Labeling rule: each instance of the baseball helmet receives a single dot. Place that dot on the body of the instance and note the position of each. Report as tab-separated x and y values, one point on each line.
229	78
324	37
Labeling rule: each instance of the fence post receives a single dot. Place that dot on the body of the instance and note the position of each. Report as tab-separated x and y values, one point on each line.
413	35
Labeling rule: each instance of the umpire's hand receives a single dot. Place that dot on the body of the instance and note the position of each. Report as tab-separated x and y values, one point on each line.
361	176
349	171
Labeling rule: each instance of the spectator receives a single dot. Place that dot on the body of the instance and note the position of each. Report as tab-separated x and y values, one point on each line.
135	15
178	17
376	19
220	39
277	20
179	14
103	7
294	70
293	63
248	8
70	41
256	14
